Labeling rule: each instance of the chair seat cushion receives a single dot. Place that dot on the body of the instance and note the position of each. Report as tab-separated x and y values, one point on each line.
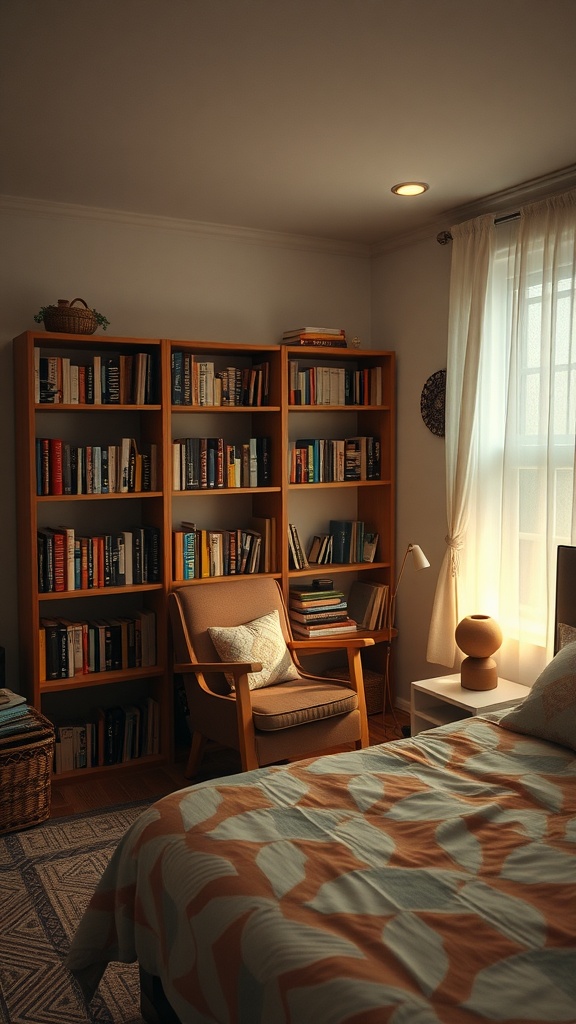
259	640
296	703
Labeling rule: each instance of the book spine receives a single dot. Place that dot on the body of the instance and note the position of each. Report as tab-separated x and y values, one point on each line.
56	466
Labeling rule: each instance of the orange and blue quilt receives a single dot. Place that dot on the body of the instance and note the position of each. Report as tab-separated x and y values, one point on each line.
427	881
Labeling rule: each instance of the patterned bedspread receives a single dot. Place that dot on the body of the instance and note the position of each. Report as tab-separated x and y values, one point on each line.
429	880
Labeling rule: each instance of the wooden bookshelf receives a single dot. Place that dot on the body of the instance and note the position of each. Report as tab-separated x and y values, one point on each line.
84	424
368	410
165	417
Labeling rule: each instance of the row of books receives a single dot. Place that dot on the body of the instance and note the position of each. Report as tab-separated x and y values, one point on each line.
112	379
63	468
314	460
201	553
368	604
206	462
319	337
333	385
196	381
112	736
67	561
346	542
71	648
317	612
350	538
16	718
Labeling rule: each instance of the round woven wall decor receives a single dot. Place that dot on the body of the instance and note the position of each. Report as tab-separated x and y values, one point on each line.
432	402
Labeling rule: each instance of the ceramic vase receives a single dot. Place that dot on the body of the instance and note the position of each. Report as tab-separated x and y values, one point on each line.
478	636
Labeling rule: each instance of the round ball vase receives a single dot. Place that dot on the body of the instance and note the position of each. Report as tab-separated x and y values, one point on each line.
478	636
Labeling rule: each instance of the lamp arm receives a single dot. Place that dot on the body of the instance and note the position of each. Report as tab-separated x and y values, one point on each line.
392	603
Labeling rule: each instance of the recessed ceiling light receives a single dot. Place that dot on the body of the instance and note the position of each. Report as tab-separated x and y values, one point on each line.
410	188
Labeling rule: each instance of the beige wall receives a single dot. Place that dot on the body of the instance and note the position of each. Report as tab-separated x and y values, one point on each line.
157	279
162	279
410	288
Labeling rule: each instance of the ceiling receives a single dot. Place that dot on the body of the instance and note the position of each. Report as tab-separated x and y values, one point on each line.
293	116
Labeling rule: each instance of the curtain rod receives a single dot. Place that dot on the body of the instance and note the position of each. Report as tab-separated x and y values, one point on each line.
443	237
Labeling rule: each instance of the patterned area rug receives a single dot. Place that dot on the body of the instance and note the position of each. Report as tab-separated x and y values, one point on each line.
47	875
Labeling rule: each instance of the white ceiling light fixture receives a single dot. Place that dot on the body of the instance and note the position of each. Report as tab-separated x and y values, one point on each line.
410	188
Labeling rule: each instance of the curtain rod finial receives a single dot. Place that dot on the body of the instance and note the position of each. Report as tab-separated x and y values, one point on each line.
443	237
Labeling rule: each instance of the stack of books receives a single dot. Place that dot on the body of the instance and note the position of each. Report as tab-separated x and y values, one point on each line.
318	613
15	716
322	337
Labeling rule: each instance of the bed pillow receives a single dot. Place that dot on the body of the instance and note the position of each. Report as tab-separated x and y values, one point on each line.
259	640
549	710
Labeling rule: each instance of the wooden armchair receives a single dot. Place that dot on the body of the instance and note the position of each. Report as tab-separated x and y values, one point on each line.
291	719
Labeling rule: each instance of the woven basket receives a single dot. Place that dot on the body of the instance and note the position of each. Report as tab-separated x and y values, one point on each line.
373	687
66	318
25	777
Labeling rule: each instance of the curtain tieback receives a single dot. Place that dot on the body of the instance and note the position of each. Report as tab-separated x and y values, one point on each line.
455	546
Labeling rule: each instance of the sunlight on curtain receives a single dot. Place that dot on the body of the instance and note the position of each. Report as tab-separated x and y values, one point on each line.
510	430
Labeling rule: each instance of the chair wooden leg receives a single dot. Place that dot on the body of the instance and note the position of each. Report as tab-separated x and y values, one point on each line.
197	748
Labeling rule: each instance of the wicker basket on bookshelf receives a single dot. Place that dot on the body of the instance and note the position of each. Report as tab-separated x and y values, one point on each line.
66	318
25	777
373	687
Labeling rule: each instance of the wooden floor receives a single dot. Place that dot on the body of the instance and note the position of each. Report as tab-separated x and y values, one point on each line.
118	787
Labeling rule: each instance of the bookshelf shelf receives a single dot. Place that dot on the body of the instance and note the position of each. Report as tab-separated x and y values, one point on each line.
45	407
209	492
78	595
227	410
44	499
100	679
265	510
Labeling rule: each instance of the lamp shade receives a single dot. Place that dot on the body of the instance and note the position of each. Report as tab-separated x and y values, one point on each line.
418	557
420	562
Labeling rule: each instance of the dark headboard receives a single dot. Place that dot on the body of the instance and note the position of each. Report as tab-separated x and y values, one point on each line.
565	596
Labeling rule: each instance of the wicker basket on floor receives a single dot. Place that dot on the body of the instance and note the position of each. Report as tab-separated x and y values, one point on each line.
373	687
25	776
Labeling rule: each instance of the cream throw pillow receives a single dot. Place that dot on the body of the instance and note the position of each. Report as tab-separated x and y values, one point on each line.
549	710
260	640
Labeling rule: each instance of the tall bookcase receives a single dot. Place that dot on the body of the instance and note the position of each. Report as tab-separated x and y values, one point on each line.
344	393
259	415
125	659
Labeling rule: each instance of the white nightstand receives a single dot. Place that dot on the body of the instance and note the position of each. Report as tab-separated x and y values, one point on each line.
442	699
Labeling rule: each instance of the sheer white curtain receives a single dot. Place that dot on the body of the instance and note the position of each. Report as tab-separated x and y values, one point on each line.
510	430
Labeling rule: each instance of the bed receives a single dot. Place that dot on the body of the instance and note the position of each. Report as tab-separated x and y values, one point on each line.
432	879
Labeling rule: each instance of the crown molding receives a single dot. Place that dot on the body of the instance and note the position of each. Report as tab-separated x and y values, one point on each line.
248	236
502	203
508	201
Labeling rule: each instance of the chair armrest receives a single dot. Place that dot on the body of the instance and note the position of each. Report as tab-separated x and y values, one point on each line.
333	643
238	669
235	668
